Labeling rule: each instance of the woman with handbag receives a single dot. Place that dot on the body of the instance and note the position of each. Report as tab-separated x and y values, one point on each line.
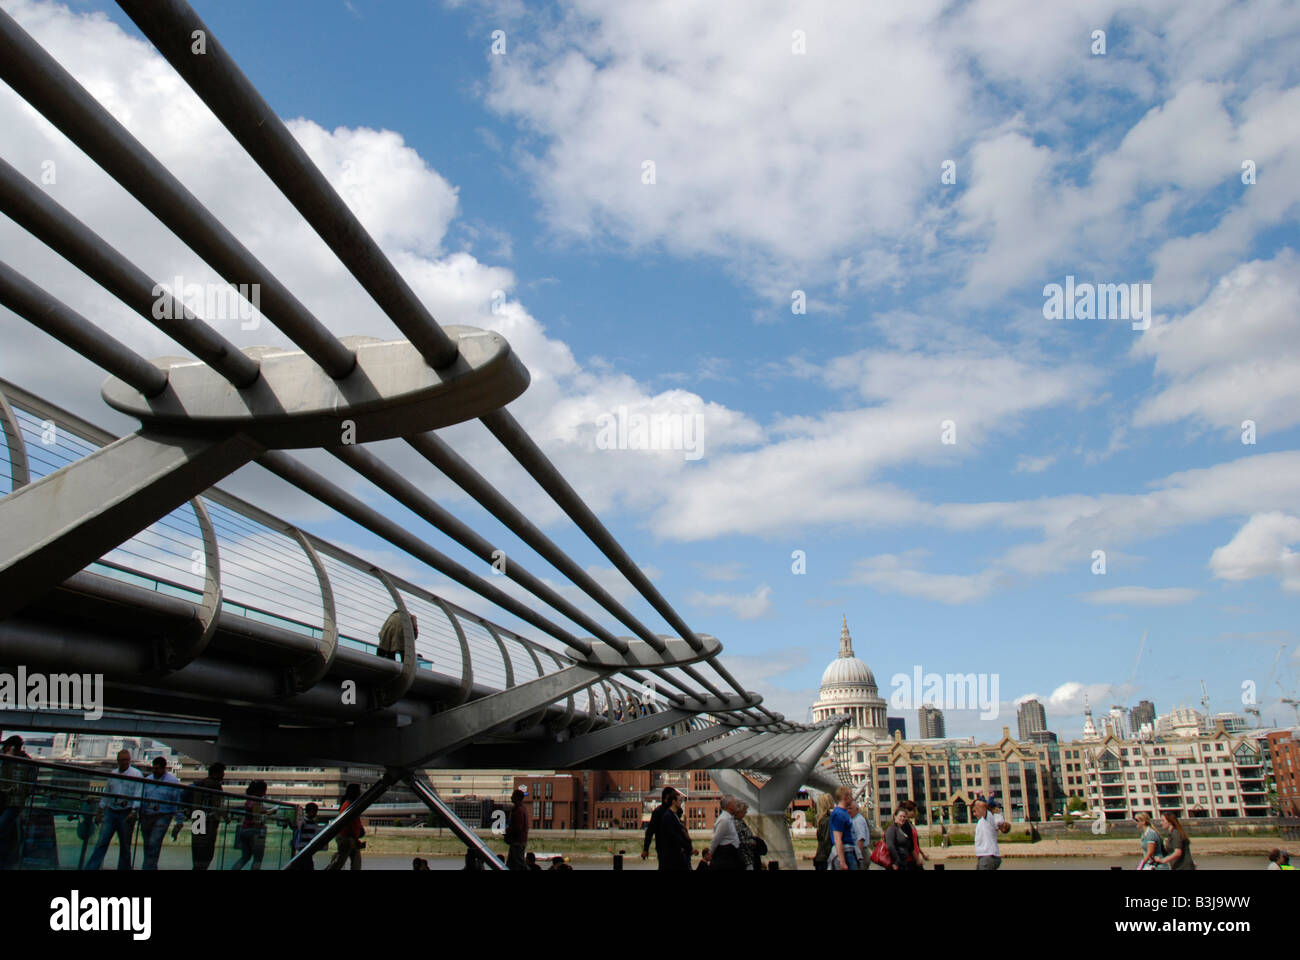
900	838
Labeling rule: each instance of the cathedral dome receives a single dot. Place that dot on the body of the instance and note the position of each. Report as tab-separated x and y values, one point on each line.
849	689
846	669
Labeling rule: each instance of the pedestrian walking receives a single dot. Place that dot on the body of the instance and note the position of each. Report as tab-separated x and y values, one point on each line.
672	841
16	779
517	831
306	832
391	637
913	814
749	844
724	849
825	803
349	838
204	812
160	796
843	852
250	839
1179	845
1153	847
900	838
861	836
988	824
117	812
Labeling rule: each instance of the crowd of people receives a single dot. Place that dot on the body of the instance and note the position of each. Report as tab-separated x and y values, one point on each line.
734	845
155	801
138	807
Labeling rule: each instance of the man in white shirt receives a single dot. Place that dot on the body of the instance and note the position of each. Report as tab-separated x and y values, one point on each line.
861	836
117	809
988	824
159	805
726	835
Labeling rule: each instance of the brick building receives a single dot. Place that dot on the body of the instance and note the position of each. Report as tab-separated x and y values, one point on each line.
1284	750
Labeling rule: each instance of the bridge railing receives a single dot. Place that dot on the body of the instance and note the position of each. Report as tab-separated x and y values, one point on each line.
52	818
265	574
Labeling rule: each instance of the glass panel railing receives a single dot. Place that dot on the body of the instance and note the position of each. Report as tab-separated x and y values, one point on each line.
68	817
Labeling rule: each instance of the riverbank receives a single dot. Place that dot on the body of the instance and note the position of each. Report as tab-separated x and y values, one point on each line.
581	845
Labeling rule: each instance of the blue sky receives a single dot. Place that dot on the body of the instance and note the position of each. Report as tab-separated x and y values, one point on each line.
778	171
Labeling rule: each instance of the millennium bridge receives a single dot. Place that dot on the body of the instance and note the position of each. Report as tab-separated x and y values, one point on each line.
233	635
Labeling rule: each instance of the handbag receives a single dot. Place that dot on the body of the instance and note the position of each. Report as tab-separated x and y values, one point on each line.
880	854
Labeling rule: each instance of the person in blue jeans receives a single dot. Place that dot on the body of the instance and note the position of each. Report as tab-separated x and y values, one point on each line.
844	854
117	809
251	836
159	806
15	784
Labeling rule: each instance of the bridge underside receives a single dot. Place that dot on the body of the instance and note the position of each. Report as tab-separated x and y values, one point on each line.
237	636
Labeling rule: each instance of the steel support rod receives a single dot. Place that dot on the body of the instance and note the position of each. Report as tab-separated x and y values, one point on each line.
406	493
31	208
335	826
439	453
349	506
514	438
171	25
70	328
419	783
41	81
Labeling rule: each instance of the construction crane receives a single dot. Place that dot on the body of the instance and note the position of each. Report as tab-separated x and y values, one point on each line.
1253	709
1289	698
1128	687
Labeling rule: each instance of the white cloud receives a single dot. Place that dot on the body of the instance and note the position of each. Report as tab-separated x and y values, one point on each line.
834	459
894	574
850	182
1261	548
1236	356
1027	464
731	570
406	206
745	606
1141	596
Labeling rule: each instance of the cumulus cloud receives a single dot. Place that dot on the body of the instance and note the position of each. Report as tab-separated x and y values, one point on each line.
405	204
897	574
728	112
1027	464
744	606
1235	357
835	459
1141	596
1261	548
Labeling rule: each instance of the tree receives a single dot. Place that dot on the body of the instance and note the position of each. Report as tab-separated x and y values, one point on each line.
1076	804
